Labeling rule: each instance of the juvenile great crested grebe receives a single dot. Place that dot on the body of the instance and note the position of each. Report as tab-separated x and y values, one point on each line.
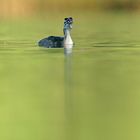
57	41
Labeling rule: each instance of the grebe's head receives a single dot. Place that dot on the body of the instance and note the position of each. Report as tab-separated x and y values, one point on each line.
68	23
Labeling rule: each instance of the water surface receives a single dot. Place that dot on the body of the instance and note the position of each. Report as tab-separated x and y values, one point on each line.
92	94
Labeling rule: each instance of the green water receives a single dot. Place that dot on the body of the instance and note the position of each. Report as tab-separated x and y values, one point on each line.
94	94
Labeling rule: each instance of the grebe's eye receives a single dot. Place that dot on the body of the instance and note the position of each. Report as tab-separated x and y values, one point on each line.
66	18
71	19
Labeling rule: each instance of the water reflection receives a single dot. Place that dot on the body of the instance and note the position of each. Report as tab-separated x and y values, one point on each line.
68	94
68	49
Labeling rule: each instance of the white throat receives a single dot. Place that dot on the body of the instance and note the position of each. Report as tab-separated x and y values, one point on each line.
67	38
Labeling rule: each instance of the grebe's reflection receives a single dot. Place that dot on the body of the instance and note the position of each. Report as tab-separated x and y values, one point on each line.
69	108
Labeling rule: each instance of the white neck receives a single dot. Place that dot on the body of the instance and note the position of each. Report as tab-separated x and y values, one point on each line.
67	38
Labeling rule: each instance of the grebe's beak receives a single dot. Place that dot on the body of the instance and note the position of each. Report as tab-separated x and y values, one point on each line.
70	26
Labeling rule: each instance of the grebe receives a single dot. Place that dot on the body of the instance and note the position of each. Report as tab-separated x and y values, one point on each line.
56	41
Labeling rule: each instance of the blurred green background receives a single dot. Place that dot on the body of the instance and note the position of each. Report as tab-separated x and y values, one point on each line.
92	95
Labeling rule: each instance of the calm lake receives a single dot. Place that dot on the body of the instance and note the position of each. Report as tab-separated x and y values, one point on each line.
93	94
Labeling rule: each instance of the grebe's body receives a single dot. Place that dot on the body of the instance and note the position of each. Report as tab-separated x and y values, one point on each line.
56	41
52	42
